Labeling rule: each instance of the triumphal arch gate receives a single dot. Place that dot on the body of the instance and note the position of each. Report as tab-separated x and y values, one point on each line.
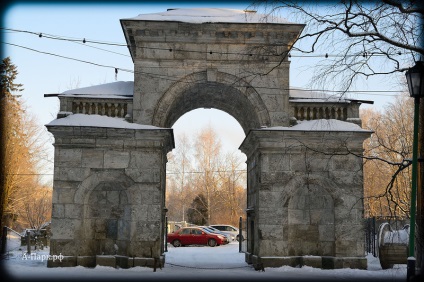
305	187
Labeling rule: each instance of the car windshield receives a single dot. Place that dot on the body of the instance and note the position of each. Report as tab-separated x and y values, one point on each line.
207	230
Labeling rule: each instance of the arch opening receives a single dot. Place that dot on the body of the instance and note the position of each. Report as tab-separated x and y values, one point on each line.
224	180
227	93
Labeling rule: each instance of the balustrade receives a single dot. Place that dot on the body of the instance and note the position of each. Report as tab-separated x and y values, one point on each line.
307	112
111	109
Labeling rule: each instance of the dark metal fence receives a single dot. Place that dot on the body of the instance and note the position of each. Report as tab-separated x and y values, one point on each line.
371	237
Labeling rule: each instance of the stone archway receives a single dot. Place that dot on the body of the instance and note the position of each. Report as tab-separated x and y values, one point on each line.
219	90
179	66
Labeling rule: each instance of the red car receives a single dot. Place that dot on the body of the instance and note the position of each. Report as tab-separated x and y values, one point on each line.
194	236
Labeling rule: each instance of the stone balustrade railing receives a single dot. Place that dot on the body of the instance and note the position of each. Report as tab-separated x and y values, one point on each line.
345	111
323	112
121	108
118	109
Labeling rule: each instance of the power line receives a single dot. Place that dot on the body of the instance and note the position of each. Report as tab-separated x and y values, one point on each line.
84	40
65	57
176	79
63	38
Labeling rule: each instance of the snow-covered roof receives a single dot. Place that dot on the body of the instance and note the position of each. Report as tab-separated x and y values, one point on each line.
320	125
98	121
305	95
210	15
113	89
311	96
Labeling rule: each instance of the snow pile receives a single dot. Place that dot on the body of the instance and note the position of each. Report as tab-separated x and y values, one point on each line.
320	125
13	242
119	88
210	15
98	121
201	263
397	236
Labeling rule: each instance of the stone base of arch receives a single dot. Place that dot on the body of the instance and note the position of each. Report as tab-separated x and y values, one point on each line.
304	198
305	191
115	261
109	196
324	262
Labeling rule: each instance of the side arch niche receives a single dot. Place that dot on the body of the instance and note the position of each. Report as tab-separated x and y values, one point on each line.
106	223
219	90
311	221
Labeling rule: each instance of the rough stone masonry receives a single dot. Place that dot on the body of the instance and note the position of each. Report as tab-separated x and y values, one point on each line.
304	188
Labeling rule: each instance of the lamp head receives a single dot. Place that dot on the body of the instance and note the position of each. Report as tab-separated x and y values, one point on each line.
415	79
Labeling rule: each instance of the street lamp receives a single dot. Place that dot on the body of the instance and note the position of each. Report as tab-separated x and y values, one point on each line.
415	79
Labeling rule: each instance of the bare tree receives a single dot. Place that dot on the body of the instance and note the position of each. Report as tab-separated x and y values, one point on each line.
207	158
391	146
203	169
358	38
35	208
232	192
179	179
24	149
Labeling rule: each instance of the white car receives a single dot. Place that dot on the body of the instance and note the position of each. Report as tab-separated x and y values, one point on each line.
216	231
230	230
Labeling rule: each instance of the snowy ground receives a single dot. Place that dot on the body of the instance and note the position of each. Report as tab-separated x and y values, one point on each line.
200	263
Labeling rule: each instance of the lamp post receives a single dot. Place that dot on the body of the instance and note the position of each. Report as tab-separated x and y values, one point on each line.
415	79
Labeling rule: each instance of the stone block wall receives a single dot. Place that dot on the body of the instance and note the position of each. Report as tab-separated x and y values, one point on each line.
305	192
109	191
230	55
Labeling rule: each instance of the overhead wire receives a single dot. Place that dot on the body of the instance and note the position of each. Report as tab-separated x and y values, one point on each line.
175	79
84	40
65	57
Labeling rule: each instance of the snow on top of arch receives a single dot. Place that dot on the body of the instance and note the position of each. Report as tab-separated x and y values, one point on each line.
118	88
210	15
306	95
98	121
320	125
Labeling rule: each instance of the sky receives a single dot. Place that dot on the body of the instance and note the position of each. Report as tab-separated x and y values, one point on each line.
190	263
44	70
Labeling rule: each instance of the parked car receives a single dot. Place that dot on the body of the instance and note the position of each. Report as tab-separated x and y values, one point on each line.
228	238
194	236
230	230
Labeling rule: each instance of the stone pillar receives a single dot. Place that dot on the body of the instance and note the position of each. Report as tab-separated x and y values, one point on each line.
108	194
304	197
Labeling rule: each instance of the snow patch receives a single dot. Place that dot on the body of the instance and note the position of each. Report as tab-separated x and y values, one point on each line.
98	121
119	88
397	236
320	125
210	15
